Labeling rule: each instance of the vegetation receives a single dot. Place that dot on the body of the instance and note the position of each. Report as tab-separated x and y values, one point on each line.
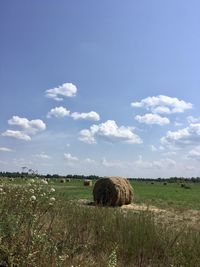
43	224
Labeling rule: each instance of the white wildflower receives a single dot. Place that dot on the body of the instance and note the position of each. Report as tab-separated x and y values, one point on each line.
31	191
31	180
52	190
52	199
44	181
33	198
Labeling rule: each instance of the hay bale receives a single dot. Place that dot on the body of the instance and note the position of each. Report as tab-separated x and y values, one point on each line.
87	182
112	191
68	180
62	180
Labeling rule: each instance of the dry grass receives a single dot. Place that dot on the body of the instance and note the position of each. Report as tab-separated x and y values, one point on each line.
112	191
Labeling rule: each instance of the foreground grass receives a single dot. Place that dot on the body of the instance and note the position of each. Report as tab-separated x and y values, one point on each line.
39	228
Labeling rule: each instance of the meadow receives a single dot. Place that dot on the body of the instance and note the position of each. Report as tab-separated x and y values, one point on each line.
55	224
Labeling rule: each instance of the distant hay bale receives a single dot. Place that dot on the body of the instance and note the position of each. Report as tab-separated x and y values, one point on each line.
68	180
112	191
62	180
165	183
87	182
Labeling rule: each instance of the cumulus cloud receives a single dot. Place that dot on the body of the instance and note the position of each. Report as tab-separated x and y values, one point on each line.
6	149
69	158
109	131
157	164
150	118
107	163
192	119
92	115
186	136
58	112
29	127
90	161
194	153
153	148
42	156
17	134
163	104
64	90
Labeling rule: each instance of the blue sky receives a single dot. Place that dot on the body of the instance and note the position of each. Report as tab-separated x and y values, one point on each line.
100	87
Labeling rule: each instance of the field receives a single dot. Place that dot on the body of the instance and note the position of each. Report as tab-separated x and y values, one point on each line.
54	224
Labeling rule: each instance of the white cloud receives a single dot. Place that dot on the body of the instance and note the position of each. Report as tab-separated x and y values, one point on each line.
90	161
63	112
194	153
107	163
163	104
92	115
109	131
152	119
17	134
6	149
69	158
157	164
87	136
186	136
64	90
192	119
58	112
42	156
153	148
29	127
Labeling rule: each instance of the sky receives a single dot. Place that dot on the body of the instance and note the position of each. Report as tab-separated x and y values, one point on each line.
109	88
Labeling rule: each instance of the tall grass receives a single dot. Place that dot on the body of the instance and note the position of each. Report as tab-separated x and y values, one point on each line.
38	230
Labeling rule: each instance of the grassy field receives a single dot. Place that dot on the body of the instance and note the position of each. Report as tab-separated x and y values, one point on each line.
47	225
171	195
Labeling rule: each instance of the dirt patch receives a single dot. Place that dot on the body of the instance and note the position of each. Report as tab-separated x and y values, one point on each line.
175	217
143	207
178	218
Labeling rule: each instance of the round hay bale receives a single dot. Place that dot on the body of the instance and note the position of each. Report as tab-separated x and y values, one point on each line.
68	180
62	180
87	182
112	191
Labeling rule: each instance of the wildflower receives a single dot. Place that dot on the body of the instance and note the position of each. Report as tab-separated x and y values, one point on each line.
33	198
44	181
1	190
52	190
52	199
31	180
31	191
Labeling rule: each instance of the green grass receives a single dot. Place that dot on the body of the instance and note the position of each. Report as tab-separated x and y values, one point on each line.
171	195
